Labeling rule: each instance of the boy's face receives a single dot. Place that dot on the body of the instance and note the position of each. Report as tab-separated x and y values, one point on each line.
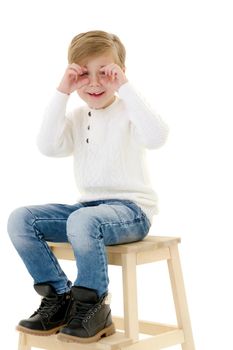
98	92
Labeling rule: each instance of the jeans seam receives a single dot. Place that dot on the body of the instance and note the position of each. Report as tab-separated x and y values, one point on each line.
103	257
43	242
41	219
129	222
32	216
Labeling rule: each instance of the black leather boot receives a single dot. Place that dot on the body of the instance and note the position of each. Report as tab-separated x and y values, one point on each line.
90	317
52	314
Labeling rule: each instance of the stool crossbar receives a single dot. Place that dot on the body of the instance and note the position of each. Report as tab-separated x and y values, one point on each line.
129	327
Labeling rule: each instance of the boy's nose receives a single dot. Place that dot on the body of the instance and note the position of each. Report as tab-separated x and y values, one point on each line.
94	79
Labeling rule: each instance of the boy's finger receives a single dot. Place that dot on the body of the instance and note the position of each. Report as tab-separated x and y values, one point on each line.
76	67
84	69
103	70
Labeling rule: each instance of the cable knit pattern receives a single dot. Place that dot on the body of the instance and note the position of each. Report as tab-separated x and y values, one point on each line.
108	146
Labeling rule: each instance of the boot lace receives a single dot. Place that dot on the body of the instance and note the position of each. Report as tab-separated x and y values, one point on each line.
83	311
48	307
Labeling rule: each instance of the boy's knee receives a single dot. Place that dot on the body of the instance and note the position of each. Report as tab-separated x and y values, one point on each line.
18	220
81	221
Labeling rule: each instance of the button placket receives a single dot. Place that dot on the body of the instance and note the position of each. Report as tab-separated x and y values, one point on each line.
88	127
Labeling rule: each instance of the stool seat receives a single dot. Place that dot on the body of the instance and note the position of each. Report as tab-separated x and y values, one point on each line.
148	243
129	327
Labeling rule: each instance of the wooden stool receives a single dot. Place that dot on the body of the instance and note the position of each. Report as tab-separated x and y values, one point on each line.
160	336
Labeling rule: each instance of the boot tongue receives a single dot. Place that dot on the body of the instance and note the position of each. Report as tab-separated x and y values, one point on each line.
45	290
85	295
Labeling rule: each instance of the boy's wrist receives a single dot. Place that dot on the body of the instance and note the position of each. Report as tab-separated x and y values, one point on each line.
122	84
126	82
63	91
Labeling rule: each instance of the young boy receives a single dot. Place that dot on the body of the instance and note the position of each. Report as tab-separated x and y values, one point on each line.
107	138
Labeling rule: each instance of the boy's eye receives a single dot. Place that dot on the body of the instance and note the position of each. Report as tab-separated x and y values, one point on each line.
85	73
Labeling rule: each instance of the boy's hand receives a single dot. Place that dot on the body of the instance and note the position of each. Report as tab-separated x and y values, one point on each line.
75	77
114	75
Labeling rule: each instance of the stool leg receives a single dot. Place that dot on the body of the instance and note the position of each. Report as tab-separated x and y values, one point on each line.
22	345
179	296
130	296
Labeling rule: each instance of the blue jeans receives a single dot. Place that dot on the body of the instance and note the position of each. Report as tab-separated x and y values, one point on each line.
88	226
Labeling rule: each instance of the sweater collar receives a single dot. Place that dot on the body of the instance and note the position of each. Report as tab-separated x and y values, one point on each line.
103	111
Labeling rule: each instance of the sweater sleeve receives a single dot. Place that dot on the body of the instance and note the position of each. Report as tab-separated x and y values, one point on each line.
150	130
55	135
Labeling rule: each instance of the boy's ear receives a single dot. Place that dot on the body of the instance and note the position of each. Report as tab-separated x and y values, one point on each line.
124	68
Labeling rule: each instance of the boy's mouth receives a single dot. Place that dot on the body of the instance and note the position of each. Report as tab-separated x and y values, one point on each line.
96	94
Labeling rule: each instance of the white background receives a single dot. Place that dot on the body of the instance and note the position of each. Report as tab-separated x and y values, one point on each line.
179	54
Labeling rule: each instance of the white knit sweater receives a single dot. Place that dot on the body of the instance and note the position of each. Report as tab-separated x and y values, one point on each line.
108	146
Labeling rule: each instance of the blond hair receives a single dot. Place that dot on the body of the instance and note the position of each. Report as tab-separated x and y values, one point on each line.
94	43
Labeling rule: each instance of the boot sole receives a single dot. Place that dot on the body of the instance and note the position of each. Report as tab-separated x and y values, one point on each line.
72	339
36	332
